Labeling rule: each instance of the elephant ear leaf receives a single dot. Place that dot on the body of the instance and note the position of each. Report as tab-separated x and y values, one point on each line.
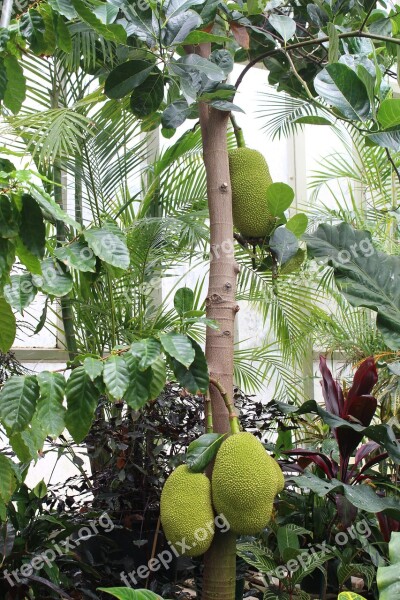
364	275
387	578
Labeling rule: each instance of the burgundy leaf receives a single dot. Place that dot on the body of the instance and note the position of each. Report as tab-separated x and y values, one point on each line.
387	525
360	409
322	461
331	390
365	378
364	450
348	440
374	461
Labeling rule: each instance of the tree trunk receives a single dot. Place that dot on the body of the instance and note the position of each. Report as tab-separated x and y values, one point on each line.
220	561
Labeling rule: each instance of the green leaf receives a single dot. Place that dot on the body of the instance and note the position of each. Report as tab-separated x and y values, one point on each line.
52	208
350	596
21	292
340	86
148	96
40	489
147	350
283	244
32	228
386	139
63	7
8	479
285	26
108	246
63	36
279	197
387	577
129	594
183	301
138	392
333	51
126	77
158	377
18	399
3	79
202	451
194	378
178	346
53	280
365	276
29	260
200	37
192	63
175	114
50	409
225	105
8	326
255	7
297	224
78	256
107	13
114	33
16	87
9	225
224	59
389	113
116	376
82	398
287	538
32	27
93	367
310	120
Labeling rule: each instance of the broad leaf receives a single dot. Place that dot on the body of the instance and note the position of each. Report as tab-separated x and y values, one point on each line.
130	594
8	326
202	451
283	244
32	26
8	479
387	577
340	86
175	114
279	197
54	280
82	398
389	113
194	378
20	292
147	351
16	87
138	392
148	96
116	376
126	77
52	208
18	399
285	26
50	409
386	139
297	224
93	367
366	276
115	33
8	218
183	300
158	377
78	256
178	346
32	228
108	246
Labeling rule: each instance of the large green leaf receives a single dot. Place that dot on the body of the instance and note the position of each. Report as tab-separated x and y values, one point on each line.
108	246
50	409
148	96
32	228
366	276
18	399
340	86
82	397
8	326
77	255
29	260
179	347
116	376
158	377
115	32
126	77
32	27
16	87
284	25
279	197
9	225
138	391
52	208
147	350
202	451
389	113
54	280
195	377
183	300
388	578
93	367
20	292
8	479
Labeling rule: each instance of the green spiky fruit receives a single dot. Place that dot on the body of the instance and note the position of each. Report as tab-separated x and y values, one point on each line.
280	480
186	511
250	179
244	483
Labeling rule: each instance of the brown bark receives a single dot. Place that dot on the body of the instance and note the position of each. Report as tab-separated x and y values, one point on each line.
220	561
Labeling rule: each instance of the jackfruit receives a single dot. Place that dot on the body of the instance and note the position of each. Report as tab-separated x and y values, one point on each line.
280	480
244	483
250	179
186	511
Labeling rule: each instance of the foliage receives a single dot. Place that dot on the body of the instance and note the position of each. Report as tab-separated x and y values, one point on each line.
387	576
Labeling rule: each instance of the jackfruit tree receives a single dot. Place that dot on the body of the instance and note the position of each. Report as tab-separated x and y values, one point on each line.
168	61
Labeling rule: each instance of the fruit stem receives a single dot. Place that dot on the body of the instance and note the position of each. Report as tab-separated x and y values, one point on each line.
233	418
238	131
209	415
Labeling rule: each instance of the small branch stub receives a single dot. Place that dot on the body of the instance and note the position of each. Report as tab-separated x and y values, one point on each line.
223	187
